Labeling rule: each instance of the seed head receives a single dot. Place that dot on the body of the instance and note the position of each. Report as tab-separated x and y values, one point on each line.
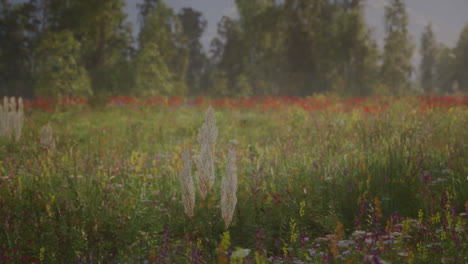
204	161
229	188
188	189
11	116
19	120
47	138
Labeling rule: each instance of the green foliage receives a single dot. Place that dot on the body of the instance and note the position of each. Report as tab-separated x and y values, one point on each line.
219	84
59	72
229	54
445	69
162	60
104	39
396	67
428	61
152	74
243	87
352	53
111	192
461	60
193	26
296	47
18	33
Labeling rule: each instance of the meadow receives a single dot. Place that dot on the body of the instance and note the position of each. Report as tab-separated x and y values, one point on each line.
320	180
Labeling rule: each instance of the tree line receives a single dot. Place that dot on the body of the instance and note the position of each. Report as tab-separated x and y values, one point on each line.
296	47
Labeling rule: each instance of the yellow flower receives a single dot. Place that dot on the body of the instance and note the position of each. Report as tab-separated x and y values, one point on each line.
420	216
41	254
301	208
49	211
293	227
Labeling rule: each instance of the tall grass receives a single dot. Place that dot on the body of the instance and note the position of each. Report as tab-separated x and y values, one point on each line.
111	191
11	118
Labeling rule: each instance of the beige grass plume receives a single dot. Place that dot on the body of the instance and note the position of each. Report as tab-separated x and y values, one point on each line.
5	122
188	189
229	188
11	119
47	138
19	119
208	133
204	161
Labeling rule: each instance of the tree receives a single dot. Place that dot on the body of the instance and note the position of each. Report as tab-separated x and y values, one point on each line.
296	47
428	61
229	53
193	26
161	30
249	50
444	69
58	72
461	60
17	33
152	74
263	26
396	68
104	36
305	27
349	53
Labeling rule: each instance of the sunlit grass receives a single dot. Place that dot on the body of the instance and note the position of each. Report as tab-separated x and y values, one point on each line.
307	179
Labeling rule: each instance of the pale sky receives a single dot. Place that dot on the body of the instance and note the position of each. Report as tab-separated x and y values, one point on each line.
448	17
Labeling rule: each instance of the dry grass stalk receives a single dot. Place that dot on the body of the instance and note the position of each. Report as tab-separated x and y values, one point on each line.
19	120
47	138
229	188
11	118
205	171
188	189
204	161
6	124
208	132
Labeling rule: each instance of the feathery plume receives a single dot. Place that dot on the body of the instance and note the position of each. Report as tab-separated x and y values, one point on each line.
47	138
19	119
205	170
229	188
208	132
188	189
204	161
11	117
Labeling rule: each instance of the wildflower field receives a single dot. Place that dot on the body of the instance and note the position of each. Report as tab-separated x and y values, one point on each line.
319	180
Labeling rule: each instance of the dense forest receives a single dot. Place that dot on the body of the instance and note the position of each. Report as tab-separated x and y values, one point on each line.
297	47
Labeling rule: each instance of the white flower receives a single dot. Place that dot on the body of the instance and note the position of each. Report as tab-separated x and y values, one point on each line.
358	233
240	253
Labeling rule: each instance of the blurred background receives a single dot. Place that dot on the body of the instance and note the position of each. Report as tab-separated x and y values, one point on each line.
227	48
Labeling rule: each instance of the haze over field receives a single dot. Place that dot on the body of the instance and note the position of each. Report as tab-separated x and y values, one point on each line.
448	17
233	48
246	131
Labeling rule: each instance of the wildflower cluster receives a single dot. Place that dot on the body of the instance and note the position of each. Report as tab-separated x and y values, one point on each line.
308	180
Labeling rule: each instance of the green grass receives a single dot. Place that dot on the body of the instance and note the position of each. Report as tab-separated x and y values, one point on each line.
110	193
